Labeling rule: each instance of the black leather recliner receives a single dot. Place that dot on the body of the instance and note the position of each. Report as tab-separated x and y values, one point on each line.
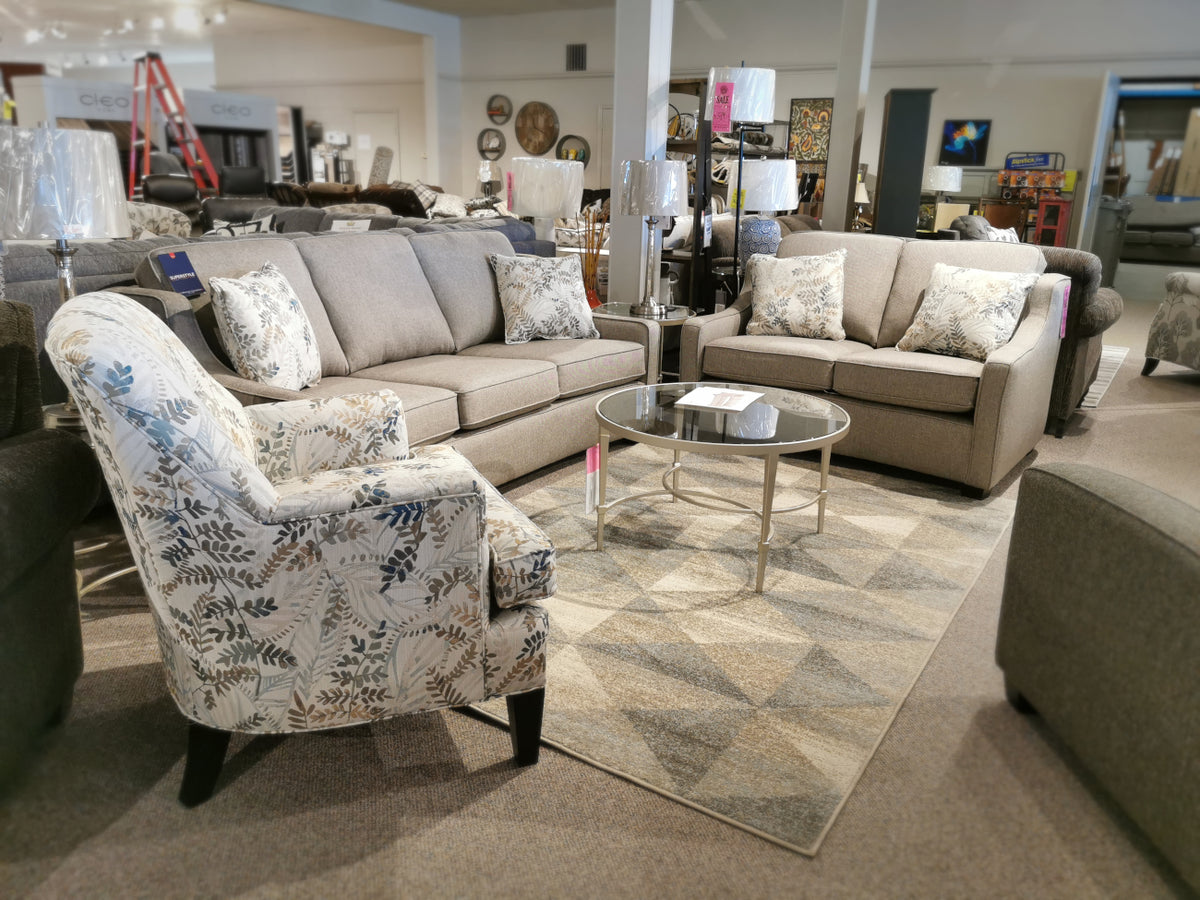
176	191
49	481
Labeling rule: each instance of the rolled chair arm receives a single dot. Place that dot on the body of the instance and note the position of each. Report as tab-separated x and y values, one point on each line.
1099	315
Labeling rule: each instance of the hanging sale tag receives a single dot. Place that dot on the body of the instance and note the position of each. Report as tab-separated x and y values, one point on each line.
722	118
591	490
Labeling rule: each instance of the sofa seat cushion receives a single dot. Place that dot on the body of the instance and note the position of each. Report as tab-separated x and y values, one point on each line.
915	380
430	413
787	362
488	389
377	297
583	365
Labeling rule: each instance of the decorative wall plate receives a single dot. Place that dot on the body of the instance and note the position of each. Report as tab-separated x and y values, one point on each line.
537	127
499	108
491	143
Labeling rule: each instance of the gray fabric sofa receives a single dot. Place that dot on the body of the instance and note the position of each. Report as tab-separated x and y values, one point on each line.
966	421
420	315
1099	634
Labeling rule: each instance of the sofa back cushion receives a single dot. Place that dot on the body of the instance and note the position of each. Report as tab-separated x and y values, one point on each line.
233	259
915	269
378	300
870	263
456	264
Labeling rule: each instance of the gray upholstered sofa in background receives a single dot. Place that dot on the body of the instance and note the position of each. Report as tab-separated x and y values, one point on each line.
967	421
420	315
1100	634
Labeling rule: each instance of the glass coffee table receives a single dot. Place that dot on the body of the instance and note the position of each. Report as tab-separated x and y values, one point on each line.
778	422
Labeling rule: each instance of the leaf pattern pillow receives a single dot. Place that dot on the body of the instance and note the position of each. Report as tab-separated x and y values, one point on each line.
968	312
800	296
542	297
265	330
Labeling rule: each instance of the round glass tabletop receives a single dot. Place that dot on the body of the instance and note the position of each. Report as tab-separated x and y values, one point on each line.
649	413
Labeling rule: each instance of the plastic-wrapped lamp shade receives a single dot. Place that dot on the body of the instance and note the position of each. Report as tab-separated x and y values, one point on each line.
753	94
768	184
60	183
943	178
653	187
546	188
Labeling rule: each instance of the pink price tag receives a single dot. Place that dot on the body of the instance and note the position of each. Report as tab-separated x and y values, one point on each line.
1062	329
509	179
722	118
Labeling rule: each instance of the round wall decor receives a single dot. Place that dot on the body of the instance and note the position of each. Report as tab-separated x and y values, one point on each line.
490	143
537	127
572	146
499	108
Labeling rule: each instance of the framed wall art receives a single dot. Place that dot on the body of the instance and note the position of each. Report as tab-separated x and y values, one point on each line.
965	142
808	129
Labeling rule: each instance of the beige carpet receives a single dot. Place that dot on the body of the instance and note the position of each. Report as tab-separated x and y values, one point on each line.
763	710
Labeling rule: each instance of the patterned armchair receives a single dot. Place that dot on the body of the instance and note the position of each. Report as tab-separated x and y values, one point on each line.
1175	329
305	569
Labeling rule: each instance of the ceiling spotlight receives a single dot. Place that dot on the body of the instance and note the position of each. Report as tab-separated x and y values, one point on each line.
219	17
102	59
68	64
186	19
157	24
56	31
32	36
126	27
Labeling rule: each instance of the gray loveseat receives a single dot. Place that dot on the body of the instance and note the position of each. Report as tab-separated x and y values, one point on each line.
966	421
420	315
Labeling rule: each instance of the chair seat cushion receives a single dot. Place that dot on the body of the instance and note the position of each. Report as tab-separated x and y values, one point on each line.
916	380
430	413
788	362
583	365
488	389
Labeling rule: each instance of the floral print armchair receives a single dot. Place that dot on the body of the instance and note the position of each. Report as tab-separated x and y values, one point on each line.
305	569
1175	329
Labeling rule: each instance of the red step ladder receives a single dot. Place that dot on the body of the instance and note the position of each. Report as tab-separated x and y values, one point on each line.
151	79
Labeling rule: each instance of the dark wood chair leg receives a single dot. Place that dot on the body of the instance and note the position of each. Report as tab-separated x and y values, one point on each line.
975	493
1150	366
1016	699
525	725
205	756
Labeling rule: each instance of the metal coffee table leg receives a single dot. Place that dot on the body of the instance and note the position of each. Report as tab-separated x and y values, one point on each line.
770	465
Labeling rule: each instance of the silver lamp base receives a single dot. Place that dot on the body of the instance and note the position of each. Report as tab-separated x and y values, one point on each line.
651	310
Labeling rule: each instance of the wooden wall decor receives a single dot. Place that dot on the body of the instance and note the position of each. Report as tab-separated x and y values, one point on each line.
537	127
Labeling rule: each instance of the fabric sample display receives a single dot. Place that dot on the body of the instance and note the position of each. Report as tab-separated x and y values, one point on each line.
542	298
265	330
800	296
968	312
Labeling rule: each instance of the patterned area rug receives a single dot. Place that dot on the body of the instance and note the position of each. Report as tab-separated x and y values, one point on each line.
1110	362
763	710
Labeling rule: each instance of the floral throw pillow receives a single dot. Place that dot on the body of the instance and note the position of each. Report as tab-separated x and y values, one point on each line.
265	225
265	330
968	312
542	298
800	296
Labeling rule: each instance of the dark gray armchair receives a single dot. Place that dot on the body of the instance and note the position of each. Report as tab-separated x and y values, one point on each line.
49	481
1100	635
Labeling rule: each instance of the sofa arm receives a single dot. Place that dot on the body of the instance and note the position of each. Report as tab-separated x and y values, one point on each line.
1100	314
646	332
697	332
1100	632
1014	389
301	437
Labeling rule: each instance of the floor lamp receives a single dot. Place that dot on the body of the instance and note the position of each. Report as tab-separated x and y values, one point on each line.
654	188
61	185
546	189
739	98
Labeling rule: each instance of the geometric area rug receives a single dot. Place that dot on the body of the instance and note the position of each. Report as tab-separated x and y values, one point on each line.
763	710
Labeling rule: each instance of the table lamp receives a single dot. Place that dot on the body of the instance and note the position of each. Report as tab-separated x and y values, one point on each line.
942	179
653	188
861	201
738	99
768	185
546	189
61	185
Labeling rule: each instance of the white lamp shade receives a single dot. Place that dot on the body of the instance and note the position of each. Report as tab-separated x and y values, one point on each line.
60	183
860	193
943	178
546	188
653	187
753	94
767	184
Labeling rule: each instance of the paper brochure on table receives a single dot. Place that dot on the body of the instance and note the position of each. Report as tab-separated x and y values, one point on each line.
718	399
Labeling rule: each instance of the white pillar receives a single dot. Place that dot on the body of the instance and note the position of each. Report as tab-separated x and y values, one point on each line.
642	73
849	109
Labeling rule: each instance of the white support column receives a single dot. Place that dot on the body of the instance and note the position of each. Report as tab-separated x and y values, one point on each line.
642	73
849	109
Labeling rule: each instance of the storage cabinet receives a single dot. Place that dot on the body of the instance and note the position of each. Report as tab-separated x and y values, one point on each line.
1053	222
